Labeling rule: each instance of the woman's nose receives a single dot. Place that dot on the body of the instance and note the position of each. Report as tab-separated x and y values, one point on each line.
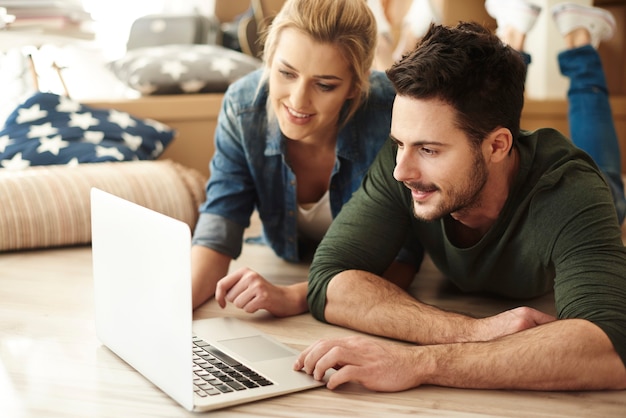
299	96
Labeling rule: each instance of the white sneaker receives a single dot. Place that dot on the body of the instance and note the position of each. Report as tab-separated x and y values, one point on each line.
520	14
599	23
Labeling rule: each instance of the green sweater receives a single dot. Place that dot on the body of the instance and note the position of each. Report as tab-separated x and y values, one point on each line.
557	230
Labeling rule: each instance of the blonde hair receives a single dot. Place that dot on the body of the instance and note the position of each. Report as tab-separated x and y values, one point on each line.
347	24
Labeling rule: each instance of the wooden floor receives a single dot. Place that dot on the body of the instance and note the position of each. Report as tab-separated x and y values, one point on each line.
52	364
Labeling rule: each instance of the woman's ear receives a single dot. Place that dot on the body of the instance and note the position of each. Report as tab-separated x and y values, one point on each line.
357	87
355	91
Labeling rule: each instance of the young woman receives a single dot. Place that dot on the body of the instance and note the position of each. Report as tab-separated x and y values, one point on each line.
293	142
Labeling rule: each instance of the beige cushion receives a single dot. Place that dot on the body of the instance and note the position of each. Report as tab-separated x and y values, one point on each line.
48	206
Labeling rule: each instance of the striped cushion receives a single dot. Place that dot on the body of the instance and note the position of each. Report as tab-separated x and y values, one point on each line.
48	206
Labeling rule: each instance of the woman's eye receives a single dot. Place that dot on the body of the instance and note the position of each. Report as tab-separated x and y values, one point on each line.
326	87
286	74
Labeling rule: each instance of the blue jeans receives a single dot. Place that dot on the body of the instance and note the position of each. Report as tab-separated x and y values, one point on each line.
590	119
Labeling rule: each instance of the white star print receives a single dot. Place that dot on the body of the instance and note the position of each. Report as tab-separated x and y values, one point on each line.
67	105
174	68
38	131
5	141
93	137
146	88
31	114
123	119
158	126
138	64
83	120
158	149
15	163
52	145
192	86
224	65
133	141
109	152
73	162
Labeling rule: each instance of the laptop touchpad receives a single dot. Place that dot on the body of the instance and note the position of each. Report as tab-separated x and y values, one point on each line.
256	348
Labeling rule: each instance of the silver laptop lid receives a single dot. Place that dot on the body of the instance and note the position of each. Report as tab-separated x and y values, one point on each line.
142	288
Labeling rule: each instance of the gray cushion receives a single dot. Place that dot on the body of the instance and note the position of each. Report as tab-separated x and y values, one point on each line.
175	69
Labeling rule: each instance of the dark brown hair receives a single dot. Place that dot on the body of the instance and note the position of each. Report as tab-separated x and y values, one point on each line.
469	68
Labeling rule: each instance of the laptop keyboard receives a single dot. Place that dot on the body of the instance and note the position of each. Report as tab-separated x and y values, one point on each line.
216	373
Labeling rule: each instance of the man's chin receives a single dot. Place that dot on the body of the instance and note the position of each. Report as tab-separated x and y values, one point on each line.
425	214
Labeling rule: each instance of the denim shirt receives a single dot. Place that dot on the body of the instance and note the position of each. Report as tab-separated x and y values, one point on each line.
249	169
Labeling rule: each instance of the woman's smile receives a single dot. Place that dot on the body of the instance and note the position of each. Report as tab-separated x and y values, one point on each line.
297	117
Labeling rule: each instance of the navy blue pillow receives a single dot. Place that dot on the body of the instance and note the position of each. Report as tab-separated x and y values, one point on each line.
51	129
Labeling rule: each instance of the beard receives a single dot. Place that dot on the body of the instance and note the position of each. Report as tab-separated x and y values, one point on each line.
459	198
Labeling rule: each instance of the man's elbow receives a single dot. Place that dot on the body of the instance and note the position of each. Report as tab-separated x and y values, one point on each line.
316	296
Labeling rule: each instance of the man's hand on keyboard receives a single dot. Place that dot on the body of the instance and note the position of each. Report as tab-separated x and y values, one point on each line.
378	365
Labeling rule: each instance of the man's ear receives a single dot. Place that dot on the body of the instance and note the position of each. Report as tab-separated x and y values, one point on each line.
498	144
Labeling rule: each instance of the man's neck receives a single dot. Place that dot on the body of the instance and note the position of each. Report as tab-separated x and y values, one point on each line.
473	223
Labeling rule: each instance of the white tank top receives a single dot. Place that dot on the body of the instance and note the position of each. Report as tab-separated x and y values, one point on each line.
315	218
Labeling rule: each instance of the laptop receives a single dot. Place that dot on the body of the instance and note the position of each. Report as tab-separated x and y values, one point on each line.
143	313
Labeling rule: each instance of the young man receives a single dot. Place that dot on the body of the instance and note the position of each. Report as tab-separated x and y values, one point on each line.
498	209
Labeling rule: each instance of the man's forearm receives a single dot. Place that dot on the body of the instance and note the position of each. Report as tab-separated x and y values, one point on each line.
517	349
571	354
368	303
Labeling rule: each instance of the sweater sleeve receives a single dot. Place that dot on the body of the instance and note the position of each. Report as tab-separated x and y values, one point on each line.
368	232
590	261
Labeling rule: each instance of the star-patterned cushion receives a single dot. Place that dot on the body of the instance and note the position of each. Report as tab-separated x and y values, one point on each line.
51	129
175	69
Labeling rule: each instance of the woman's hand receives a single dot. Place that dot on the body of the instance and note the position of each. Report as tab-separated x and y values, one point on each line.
248	290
